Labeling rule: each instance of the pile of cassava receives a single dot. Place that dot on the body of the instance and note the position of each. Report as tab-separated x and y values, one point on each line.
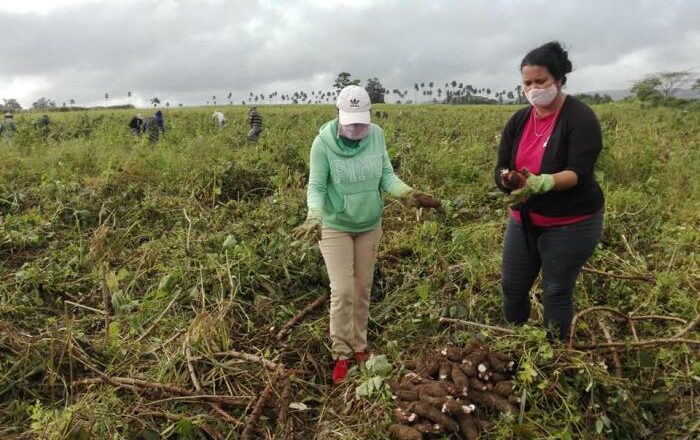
453	390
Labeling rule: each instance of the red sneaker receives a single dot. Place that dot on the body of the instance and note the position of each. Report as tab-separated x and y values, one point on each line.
362	356
340	370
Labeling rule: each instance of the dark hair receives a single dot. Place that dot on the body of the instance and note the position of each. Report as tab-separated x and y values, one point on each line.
553	57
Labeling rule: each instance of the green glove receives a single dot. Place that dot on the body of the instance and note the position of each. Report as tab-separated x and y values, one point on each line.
309	230
534	185
418	199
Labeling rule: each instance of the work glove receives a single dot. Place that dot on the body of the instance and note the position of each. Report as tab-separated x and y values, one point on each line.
421	200
534	185
309	230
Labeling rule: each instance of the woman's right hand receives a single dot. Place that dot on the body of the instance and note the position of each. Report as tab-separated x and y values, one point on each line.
513	179
309	230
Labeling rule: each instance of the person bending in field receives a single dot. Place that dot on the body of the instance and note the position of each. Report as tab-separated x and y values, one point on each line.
220	118
256	124
546	160
136	125
349	168
151	126
8	128
159	121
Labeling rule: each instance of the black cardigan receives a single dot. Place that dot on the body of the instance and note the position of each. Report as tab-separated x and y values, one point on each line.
574	145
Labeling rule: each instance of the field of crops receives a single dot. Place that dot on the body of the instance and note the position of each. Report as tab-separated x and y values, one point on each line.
134	278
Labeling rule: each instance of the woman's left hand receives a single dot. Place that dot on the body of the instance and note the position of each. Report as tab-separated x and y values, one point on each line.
534	185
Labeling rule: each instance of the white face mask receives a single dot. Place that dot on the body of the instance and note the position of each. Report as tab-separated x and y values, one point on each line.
355	132
542	97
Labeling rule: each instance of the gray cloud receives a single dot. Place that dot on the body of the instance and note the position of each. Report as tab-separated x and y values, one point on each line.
187	51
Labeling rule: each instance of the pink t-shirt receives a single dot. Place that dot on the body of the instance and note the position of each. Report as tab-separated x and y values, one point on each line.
533	143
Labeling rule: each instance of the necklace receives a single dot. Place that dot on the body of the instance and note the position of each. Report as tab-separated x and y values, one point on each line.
547	128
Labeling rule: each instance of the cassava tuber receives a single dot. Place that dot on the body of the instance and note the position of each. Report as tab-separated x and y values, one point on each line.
467	427
434	415
403	432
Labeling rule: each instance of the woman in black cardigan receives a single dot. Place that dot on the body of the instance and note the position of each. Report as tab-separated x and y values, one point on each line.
546	161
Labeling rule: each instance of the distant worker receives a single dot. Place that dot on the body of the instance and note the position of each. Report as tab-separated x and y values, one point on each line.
220	118
256	124
8	127
136	124
152	127
42	125
159	120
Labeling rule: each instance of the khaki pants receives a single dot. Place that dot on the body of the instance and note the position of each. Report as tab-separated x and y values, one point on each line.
350	262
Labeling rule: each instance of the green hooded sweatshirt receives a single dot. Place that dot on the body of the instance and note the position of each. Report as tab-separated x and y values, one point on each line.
345	179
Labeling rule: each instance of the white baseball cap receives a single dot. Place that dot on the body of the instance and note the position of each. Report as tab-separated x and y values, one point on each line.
353	105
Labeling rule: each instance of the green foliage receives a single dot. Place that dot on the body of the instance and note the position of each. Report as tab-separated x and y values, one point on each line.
595	98
373	372
343	80
376	91
200	223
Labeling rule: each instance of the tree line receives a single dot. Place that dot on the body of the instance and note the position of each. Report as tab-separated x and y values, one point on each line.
657	89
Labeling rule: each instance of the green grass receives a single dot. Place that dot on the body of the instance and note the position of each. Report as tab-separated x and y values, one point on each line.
202	219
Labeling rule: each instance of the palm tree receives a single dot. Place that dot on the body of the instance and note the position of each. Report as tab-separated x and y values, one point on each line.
72	102
106	99
128	95
155	101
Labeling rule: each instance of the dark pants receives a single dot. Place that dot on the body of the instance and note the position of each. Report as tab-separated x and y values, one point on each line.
560	251
254	133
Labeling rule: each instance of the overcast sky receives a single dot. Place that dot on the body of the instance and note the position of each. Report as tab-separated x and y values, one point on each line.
186	51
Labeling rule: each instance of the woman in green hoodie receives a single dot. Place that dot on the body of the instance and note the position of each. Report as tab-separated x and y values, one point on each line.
349	167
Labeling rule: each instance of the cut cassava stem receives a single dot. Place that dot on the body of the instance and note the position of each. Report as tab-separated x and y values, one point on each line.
165	388
613	350
283	406
476	324
301	315
258	408
107	299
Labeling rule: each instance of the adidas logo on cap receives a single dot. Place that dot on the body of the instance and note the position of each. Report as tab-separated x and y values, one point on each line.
354	102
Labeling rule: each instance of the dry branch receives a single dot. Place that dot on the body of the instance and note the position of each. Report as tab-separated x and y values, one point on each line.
155	321
621	277
678	338
476	324
164	388
240	355
259	405
613	350
301	315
